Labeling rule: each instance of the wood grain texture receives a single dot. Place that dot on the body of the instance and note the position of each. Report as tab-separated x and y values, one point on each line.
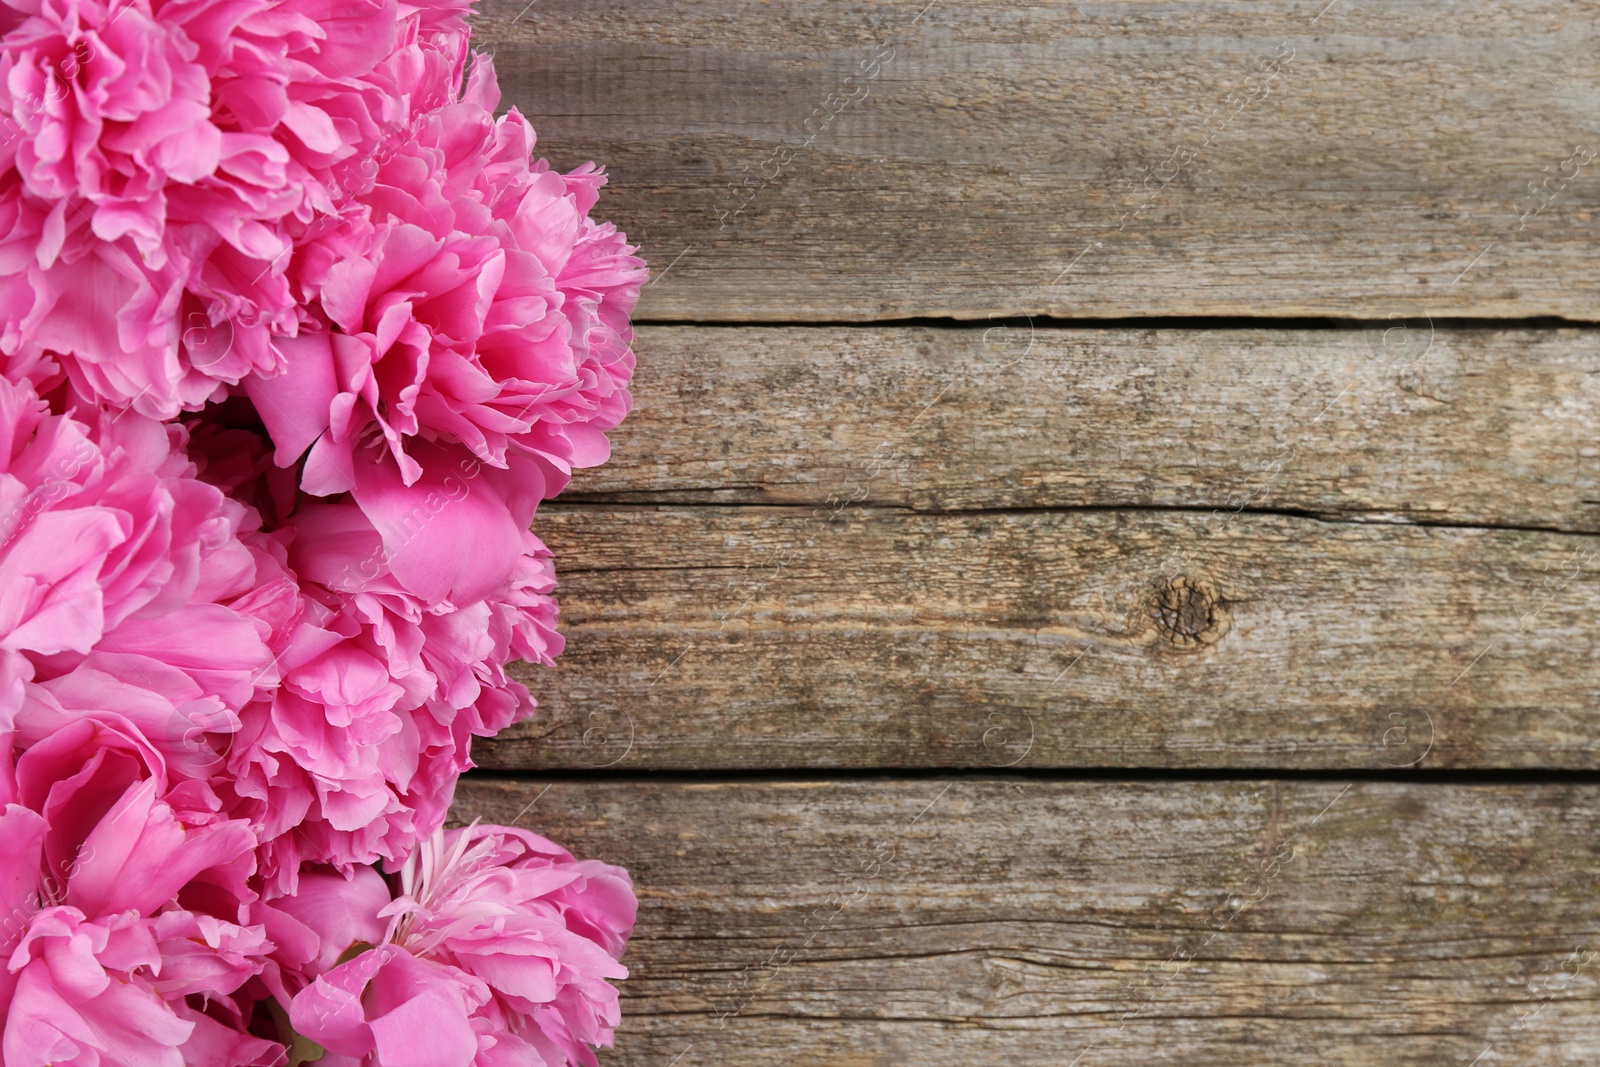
837	160
1464	426
1016	545
877	637
1024	922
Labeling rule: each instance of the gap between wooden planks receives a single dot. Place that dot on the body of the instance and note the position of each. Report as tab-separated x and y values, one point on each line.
1001	920
827	159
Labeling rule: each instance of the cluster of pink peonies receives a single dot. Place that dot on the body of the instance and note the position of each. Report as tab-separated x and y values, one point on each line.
294	337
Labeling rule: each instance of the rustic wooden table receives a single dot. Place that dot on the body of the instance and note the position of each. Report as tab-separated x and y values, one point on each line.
1102	568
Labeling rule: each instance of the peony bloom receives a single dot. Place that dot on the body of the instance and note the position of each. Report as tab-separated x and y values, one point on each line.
162	159
354	753
319	696
471	317
497	952
131	594
126	894
136	625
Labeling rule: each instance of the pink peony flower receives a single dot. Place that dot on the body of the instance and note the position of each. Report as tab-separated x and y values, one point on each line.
355	752
162	159
498	950
324	701
125	893
471	317
131	595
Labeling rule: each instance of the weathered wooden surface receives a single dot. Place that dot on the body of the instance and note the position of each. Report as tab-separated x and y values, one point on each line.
1016	545
838	160
1465	426
786	637
1025	922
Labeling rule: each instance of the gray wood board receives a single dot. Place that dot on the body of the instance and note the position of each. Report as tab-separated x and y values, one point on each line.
805	161
1026	922
751	636
1463	426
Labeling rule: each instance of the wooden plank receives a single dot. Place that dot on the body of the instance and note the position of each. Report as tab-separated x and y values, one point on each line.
1028	922
878	637
1464	426
807	160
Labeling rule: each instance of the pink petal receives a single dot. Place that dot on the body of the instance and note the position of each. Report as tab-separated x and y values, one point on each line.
139	856
294	405
343	912
446	537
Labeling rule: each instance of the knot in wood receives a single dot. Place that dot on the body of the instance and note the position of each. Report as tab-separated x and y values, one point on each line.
1188	612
